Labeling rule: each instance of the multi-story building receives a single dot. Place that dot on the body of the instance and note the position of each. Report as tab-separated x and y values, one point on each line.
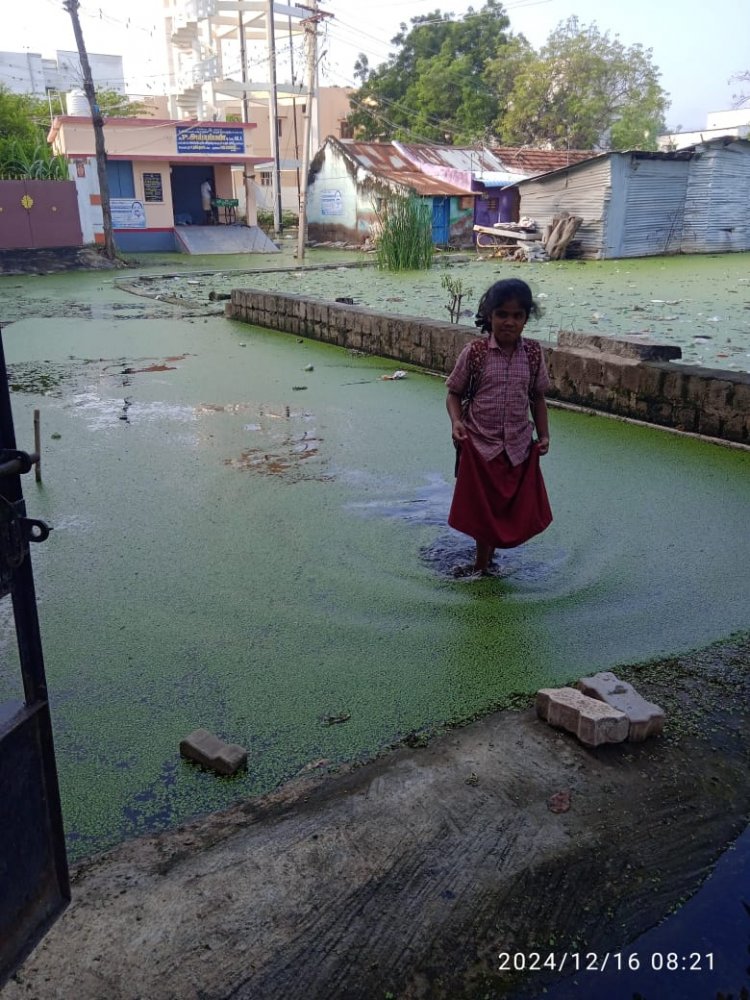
222	57
30	73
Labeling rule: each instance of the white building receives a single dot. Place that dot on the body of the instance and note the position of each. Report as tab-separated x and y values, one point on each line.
718	123
218	56
30	73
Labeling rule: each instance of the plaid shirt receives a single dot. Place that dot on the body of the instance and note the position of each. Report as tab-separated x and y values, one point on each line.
498	417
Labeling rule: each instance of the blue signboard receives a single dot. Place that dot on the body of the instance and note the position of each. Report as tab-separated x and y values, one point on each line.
210	139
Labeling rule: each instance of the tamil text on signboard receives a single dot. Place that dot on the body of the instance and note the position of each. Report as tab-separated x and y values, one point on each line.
210	139
152	187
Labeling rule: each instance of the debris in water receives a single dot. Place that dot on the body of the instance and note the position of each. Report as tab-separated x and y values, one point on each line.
333	720
396	375
298	388
309	368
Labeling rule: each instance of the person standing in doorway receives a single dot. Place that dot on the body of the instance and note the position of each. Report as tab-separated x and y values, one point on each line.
495	401
207	199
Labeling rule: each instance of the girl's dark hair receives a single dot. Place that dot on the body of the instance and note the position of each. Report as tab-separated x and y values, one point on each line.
503	291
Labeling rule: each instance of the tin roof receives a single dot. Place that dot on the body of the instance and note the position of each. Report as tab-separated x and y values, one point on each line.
384	160
465	158
532	162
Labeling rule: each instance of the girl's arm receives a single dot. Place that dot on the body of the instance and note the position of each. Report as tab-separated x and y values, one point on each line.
453	405
541	422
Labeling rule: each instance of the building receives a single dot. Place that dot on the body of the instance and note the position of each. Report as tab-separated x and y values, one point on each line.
466	186
155	171
734	123
350	180
29	73
639	204
220	70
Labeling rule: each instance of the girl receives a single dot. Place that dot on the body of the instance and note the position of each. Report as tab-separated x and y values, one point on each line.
500	498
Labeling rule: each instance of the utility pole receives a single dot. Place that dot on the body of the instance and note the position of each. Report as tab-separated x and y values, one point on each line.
71	6
251	213
273	118
311	41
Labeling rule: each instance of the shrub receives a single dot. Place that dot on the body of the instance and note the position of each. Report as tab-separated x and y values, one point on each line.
23	160
404	234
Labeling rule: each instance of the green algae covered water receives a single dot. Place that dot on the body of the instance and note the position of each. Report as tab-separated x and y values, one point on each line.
249	536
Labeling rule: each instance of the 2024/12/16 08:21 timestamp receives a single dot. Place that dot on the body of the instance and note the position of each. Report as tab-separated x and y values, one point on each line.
593	961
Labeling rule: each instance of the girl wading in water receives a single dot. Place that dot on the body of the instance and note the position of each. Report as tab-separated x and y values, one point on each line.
500	499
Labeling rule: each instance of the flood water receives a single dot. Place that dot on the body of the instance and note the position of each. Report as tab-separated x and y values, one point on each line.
249	536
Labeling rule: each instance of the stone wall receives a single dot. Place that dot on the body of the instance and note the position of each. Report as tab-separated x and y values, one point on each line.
583	369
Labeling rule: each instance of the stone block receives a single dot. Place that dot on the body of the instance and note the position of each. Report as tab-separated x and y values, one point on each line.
624	347
644	717
204	748
593	721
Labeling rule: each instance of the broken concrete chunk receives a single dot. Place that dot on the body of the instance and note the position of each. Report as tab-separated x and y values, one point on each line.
646	718
594	722
206	749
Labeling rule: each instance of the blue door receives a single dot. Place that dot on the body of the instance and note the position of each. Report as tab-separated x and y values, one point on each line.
441	217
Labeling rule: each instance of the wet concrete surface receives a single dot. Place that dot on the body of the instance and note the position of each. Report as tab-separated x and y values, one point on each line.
415	875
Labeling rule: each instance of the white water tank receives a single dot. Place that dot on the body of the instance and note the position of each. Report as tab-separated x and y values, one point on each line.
77	105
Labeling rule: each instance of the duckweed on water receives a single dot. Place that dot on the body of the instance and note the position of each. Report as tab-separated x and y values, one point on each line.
186	586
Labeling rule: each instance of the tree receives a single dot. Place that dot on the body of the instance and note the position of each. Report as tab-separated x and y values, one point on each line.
438	85
585	90
741	99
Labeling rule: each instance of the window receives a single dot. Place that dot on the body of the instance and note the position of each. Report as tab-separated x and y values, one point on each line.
346	131
279	125
266	179
493	204
120	177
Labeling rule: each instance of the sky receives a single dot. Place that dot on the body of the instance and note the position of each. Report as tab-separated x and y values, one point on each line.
696	48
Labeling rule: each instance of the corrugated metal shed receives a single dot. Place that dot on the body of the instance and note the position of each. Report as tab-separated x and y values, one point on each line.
647	205
582	189
717	201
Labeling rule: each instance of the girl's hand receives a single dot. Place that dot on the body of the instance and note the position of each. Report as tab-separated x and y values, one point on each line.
543	444
458	431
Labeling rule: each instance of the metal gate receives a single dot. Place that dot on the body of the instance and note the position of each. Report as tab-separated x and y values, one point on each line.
39	214
34	887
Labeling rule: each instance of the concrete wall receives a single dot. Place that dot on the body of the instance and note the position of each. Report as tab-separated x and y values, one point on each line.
700	400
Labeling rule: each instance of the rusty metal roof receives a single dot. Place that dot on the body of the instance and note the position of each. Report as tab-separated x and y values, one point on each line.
465	158
384	160
532	162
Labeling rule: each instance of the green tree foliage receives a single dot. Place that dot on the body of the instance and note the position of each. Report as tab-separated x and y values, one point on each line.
24	125
441	83
585	90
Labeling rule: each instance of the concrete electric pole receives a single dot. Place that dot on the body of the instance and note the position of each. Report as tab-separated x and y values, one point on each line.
311	41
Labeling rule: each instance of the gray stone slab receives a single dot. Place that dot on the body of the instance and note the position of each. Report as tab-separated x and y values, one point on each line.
645	718
624	347
208	750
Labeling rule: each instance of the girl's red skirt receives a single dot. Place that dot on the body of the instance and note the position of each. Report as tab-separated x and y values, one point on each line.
499	504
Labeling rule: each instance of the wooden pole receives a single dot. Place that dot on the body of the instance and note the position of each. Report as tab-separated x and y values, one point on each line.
37	448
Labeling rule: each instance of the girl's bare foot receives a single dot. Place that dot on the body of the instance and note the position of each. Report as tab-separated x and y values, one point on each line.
467	570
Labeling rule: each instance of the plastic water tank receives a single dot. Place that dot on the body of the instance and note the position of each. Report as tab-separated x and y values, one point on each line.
77	105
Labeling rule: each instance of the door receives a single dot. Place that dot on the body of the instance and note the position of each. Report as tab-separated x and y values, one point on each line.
34	887
440	220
